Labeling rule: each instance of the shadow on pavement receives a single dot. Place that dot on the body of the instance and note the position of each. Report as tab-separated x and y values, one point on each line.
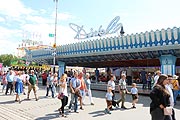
42	97
53	115
8	102
102	112
49	116
98	113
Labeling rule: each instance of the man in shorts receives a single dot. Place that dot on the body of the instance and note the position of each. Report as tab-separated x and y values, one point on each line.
32	81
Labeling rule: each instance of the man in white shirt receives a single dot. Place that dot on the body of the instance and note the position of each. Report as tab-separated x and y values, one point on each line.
122	90
10	80
158	73
49	84
171	98
88	85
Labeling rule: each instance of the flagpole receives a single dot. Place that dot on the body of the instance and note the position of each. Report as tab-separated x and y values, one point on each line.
55	22
55	36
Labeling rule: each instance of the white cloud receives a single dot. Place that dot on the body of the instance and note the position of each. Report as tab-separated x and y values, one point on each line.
38	19
8	47
43	11
7	33
65	35
14	8
62	16
30	24
7	41
2	19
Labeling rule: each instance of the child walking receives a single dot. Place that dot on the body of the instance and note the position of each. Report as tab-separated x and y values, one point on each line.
108	97
134	93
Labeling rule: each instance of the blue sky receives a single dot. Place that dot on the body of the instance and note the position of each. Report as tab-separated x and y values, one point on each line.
20	19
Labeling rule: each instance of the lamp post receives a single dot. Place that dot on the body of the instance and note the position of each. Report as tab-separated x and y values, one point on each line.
122	31
54	45
56	1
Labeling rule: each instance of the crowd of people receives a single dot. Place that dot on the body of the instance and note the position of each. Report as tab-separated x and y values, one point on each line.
163	95
14	82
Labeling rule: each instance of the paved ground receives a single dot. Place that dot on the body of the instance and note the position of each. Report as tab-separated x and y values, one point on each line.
46	108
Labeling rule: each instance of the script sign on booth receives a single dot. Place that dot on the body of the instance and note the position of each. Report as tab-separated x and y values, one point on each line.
113	27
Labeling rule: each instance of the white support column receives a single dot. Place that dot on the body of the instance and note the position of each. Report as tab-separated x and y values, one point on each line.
168	64
61	67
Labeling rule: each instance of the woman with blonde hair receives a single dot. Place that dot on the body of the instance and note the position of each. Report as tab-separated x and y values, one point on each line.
18	83
55	82
63	91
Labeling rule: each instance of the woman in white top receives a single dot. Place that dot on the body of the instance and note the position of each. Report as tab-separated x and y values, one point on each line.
63	89
55	82
158	73
18	83
88	86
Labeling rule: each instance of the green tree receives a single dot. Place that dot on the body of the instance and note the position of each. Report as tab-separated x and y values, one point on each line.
6	59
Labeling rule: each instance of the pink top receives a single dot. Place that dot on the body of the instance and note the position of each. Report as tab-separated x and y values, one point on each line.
4	81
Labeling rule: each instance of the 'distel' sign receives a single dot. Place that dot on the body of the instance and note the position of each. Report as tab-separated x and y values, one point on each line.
113	27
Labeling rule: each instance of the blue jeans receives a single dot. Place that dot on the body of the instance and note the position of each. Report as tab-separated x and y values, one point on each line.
175	93
52	90
83	94
75	99
64	102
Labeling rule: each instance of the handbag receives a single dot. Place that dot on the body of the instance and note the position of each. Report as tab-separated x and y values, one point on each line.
77	92
60	96
168	111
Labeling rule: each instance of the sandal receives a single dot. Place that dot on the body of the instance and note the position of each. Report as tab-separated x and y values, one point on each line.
60	112
64	116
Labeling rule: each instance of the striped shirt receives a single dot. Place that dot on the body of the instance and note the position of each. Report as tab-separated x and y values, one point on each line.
122	84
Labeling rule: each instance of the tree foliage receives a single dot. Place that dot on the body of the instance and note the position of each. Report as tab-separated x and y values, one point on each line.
6	59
